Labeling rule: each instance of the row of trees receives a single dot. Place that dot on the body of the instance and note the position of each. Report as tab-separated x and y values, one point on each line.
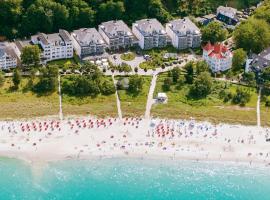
196	75
25	17
91	83
253	35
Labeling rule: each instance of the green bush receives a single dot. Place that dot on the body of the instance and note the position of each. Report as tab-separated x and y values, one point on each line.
242	97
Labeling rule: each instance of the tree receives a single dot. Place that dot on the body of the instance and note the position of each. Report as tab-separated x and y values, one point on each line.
111	10
10	14
16	79
214	32
167	84
156	10
267	102
201	66
181	81
242	97
30	56
202	85
107	88
252	35
189	72
48	80
2	79
175	74
239	59
44	16
249	78
135	84
263	12
265	76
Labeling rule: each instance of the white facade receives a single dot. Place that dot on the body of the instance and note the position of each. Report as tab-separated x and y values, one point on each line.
54	46
87	42
150	33
8	57
184	33
218	57
116	34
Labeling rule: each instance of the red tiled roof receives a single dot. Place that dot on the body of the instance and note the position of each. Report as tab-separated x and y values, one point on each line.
208	47
216	50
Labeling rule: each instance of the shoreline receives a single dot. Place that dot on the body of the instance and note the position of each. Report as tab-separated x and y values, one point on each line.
85	138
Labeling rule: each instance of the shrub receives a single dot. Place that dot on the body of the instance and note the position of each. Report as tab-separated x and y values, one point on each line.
242	97
107	88
167	84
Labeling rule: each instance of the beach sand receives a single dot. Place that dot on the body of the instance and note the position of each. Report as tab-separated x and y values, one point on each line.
87	137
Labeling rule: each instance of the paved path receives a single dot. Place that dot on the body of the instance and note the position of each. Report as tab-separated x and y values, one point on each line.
118	103
258	108
150	99
60	98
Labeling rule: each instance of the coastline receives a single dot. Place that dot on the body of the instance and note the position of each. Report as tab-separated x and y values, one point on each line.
84	138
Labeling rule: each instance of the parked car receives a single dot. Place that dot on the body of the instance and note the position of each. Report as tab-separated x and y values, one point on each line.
146	57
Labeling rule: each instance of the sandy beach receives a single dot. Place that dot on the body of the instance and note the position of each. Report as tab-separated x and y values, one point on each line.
87	137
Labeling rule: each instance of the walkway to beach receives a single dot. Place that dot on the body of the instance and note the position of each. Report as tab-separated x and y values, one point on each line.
117	99
258	108
150	99
60	98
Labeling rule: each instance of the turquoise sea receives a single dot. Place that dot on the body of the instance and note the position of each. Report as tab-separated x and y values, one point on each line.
130	179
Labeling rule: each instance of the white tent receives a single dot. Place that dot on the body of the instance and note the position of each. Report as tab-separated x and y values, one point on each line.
98	62
162	97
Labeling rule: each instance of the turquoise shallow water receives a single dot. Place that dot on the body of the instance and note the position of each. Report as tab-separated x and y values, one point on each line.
130	179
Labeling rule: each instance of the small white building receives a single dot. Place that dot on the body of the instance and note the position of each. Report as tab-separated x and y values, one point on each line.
162	97
54	46
218	57
8	57
184	33
150	33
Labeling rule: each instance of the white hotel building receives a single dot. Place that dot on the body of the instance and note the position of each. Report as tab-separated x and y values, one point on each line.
8	58
150	33
184	33
54	46
88	41
218	57
116	34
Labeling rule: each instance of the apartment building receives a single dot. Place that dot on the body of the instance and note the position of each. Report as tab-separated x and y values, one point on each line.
150	33
54	46
8	57
116	34
184	33
87	41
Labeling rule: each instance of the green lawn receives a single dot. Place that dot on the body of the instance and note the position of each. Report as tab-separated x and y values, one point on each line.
62	62
265	115
147	65
211	108
25	104
128	56
135	105
100	106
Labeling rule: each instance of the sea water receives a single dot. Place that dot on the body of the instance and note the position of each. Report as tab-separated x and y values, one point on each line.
130	179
